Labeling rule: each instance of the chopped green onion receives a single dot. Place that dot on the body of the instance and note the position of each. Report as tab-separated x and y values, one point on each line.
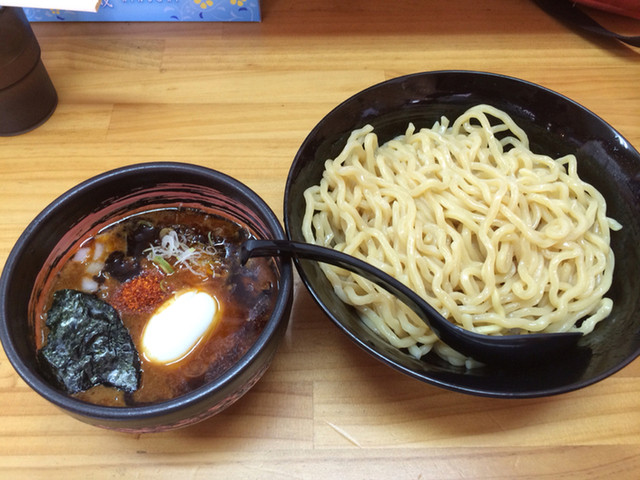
163	286
163	264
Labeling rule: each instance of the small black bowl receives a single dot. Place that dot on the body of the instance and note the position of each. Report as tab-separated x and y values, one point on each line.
556	126
97	202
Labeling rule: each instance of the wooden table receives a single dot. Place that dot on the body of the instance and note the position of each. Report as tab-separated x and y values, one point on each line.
240	98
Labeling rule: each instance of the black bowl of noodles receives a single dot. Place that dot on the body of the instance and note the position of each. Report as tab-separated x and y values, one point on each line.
116	253
556	126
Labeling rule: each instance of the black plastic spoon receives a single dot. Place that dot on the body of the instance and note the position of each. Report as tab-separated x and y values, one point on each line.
506	349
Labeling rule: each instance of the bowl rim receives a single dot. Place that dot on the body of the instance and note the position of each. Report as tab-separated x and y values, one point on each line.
167	407
446	384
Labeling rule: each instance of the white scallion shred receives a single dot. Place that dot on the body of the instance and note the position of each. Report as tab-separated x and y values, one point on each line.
174	249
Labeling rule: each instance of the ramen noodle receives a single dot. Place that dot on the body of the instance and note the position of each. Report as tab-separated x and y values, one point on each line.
497	238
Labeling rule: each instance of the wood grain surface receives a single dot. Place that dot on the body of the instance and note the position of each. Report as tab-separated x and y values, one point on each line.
240	98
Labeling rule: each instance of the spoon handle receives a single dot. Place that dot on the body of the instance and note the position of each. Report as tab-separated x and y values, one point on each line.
263	248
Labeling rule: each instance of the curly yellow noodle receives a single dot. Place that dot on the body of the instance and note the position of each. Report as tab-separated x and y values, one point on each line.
499	239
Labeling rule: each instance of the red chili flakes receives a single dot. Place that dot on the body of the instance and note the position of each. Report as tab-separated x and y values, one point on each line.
141	294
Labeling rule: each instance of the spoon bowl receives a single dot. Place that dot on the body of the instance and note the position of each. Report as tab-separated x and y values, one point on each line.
505	349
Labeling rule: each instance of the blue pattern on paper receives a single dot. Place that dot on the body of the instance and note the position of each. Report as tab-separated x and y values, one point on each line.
156	11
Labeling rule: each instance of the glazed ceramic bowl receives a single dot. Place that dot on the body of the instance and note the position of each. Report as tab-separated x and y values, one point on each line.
96	203
556	126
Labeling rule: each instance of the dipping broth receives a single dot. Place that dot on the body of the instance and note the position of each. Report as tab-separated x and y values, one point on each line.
174	278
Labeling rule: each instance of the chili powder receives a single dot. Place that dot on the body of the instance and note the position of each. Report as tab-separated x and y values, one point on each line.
141	294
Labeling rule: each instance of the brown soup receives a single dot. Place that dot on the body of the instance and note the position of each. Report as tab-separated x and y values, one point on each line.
139	263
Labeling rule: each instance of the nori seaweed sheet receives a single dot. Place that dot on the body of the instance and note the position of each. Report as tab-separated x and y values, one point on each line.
88	345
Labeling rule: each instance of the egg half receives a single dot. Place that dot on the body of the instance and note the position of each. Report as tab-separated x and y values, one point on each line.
178	325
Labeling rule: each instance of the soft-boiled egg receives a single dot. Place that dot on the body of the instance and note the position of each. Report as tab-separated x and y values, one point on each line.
178	325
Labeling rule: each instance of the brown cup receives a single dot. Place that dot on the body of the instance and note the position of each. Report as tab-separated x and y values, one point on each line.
27	96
